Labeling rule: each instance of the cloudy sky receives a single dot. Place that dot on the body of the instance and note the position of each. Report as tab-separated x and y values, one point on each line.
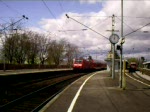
49	16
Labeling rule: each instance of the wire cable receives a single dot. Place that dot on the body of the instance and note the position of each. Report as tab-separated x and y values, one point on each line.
87	27
48	9
90	16
101	22
12	9
126	24
136	30
135	17
23	17
3	20
51	13
59	2
61	7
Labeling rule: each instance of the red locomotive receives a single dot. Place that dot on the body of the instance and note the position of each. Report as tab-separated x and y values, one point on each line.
133	67
88	64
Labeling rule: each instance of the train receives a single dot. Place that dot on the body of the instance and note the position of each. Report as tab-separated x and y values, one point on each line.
133	67
86	64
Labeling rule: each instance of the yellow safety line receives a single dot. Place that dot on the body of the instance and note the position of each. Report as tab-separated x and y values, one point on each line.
137	80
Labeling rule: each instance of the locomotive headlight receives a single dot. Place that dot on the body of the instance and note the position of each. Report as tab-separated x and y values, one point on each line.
80	65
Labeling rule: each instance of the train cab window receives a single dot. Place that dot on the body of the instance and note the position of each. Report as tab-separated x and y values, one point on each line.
78	61
133	65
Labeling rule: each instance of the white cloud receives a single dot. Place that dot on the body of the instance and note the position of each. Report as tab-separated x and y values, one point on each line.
89	38
89	1
35	29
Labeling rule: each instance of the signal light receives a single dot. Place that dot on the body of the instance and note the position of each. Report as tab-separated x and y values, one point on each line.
119	47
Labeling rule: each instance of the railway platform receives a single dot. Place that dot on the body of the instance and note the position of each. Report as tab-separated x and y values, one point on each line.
98	92
25	71
147	77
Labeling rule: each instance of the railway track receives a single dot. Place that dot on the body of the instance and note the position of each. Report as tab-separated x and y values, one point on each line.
12	90
144	82
34	100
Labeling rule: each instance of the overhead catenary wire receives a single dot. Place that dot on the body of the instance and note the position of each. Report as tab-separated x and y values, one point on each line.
135	17
59	2
126	24
3	20
87	27
51	12
136	30
12	9
89	16
23	17
72	30
48	9
62	8
101	22
109	16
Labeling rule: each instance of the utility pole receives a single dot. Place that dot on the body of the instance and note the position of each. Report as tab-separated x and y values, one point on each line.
113	48
121	46
113	28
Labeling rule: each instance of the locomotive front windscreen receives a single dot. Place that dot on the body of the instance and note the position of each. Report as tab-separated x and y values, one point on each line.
78	61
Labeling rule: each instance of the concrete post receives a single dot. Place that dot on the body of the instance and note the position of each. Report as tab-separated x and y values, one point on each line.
121	44
124	77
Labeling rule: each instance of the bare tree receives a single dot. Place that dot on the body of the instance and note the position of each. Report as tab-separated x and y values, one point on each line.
71	53
9	48
43	46
10	40
32	47
21	48
56	51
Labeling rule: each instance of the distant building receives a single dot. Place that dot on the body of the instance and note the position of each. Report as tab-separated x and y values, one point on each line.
109	61
146	65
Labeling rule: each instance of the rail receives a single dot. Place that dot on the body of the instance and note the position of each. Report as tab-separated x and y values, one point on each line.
34	98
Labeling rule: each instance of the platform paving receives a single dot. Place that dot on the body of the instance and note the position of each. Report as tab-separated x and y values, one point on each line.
101	93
